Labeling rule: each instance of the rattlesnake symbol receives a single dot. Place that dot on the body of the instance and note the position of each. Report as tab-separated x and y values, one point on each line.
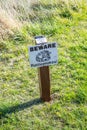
43	56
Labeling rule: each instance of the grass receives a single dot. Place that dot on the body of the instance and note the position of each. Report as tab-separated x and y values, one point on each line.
20	106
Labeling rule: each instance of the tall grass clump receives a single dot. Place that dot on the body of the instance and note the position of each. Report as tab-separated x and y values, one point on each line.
15	10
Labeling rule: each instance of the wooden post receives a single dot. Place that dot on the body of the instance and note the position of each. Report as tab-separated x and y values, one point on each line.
44	83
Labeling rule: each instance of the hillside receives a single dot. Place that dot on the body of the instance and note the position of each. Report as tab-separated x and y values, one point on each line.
63	21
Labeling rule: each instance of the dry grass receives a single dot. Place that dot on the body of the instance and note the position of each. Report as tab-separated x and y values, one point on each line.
14	9
11	14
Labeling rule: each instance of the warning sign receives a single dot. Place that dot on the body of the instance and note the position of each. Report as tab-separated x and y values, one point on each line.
43	55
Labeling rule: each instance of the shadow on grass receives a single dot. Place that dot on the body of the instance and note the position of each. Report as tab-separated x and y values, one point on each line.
19	107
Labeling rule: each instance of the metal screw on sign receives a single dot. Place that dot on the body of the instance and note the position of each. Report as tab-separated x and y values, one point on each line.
44	76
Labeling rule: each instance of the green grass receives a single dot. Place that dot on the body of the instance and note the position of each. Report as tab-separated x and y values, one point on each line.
20	106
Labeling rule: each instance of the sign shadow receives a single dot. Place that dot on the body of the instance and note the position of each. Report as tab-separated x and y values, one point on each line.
19	107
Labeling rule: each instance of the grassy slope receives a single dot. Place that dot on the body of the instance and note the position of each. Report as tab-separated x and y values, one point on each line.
20	108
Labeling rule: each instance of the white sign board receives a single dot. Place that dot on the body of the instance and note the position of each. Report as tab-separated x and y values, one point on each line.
43	55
